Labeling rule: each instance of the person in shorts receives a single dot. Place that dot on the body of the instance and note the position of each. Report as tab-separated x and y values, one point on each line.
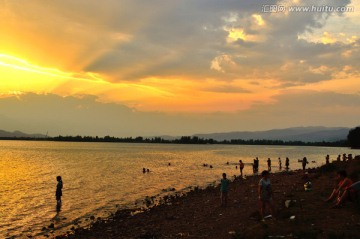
265	193
224	189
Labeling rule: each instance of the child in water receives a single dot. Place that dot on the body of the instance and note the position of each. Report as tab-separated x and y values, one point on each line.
58	193
224	188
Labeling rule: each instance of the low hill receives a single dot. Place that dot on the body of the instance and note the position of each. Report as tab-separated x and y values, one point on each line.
19	134
304	134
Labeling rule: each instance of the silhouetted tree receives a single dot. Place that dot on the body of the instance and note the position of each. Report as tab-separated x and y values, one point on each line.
139	139
354	138
185	140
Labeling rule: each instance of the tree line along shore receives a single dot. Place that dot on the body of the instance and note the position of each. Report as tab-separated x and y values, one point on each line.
353	140
181	140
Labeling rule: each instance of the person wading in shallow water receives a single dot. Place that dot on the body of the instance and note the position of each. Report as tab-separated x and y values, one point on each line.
58	193
241	167
304	162
280	164
287	163
269	164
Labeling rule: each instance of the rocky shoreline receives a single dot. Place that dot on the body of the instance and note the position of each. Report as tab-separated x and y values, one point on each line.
198	214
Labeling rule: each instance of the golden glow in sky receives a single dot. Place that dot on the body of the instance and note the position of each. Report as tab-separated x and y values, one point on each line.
21	76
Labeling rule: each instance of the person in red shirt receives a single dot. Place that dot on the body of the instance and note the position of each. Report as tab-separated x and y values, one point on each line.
350	193
343	184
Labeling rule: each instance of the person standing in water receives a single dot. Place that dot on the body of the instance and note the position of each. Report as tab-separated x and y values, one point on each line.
269	164
327	159
58	193
257	164
280	164
241	167
304	162
287	163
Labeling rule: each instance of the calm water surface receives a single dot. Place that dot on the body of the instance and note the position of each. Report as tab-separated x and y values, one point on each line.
100	177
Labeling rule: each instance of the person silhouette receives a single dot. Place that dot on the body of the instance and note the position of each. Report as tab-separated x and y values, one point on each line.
304	162
224	189
265	194
241	167
257	164
58	193
287	163
280	163
269	164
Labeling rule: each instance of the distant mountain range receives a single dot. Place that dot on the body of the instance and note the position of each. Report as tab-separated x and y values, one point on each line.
18	134
304	134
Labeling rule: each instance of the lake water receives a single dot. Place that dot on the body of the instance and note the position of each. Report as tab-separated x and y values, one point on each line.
101	177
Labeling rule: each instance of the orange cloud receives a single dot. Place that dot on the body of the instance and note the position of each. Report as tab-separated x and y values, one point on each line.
151	94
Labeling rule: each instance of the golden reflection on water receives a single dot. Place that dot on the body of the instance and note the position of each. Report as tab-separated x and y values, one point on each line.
22	183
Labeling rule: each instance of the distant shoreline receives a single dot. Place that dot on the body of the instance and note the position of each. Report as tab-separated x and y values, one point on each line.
182	140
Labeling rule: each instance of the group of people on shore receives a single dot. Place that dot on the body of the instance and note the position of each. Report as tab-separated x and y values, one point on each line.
264	190
344	189
340	158
255	164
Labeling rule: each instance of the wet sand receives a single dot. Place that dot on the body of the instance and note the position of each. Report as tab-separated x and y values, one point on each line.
198	214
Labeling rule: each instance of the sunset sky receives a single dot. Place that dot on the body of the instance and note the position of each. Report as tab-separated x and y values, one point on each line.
179	67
